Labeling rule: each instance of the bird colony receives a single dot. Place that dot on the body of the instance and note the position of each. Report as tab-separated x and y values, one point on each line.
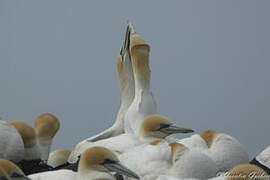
139	145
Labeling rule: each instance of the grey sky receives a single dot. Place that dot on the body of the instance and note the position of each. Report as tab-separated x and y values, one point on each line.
210	64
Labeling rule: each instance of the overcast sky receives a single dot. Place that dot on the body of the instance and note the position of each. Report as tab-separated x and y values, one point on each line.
210	64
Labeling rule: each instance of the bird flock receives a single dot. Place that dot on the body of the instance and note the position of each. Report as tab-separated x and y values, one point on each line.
139	145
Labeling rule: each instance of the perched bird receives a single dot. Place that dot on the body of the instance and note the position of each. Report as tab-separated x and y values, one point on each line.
144	103
11	143
224	149
154	127
31	162
263	160
151	159
191	163
126	81
46	126
9	171
58	157
95	163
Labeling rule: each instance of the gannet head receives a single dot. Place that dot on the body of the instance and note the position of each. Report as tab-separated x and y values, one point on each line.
247	172
102	160
8	170
124	67
46	126
177	150
226	150
191	163
209	136
27	132
139	51
58	157
159	127
31	148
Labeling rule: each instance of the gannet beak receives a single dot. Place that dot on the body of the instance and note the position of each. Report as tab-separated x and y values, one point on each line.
125	48
132	31
173	129
19	176
117	167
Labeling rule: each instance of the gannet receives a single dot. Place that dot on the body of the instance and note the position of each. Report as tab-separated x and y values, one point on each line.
263	160
144	103
191	163
95	163
224	149
11	143
126	81
31	162
46	126
154	127
58	157
9	171
151	159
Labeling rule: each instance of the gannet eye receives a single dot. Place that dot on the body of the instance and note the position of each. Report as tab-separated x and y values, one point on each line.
109	161
16	175
163	126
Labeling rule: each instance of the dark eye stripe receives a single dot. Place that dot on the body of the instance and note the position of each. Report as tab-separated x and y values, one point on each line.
162	126
16	175
109	161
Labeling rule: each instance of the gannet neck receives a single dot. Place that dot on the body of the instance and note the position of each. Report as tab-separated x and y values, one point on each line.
11	143
31	148
140	51
27	132
127	87
32	153
45	147
46	126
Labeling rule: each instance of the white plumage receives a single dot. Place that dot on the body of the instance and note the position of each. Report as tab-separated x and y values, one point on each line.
12	147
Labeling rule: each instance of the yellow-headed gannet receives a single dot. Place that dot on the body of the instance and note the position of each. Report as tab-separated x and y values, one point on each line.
31	162
151	159
154	127
31	148
144	103
95	163
263	160
10	171
224	149
11	143
126	81
58	157
189	163
46	126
